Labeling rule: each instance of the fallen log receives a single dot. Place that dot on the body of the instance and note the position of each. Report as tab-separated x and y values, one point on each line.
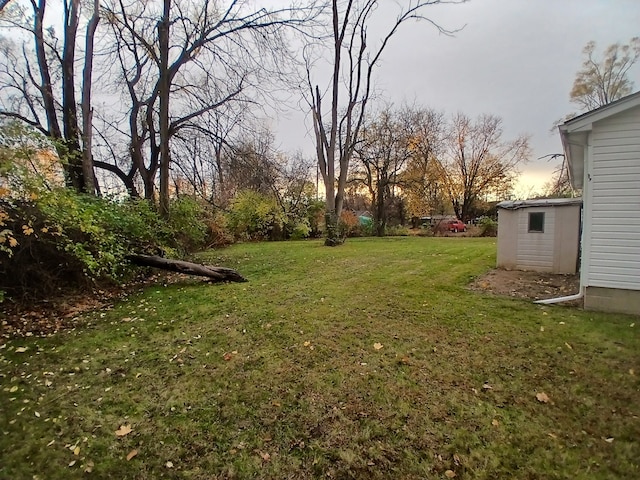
217	274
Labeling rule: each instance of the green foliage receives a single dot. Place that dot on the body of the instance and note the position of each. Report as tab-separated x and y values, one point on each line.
300	230
315	217
255	216
187	224
59	238
488	227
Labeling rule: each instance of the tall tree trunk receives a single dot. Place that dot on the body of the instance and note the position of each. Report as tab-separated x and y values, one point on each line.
69	106
163	93
87	111
45	76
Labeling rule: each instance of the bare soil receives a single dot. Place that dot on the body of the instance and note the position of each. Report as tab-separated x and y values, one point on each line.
528	285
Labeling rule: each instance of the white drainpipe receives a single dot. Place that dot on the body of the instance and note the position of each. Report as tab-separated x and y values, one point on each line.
568	298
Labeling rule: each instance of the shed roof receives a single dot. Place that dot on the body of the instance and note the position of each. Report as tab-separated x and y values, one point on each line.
574	133
539	202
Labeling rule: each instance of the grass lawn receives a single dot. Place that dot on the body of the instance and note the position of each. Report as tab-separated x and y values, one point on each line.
370	360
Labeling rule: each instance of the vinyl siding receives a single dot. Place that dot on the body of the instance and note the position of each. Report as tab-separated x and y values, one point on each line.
535	249
614	188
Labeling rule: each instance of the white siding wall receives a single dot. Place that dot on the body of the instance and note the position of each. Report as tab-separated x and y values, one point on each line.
535	249
614	191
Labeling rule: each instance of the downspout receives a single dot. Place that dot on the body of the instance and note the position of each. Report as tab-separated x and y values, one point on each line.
568	298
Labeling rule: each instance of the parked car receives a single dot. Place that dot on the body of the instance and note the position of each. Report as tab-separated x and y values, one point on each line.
456	226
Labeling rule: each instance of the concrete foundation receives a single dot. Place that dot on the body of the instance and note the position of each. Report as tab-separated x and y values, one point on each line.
612	300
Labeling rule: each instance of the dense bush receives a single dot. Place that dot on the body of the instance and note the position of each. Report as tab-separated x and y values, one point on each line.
488	227
254	216
57	239
349	225
61	239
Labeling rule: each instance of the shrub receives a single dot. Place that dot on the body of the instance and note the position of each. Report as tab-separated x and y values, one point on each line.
426	231
349	225
488	227
60	239
315	217
254	216
186	226
218	234
300	231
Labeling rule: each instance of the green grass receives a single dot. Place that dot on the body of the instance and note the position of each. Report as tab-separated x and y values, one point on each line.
279	377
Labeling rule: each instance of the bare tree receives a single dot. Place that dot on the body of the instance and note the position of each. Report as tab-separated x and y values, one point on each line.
39	84
188	59
382	152
87	110
353	60
600	82
478	162
3	4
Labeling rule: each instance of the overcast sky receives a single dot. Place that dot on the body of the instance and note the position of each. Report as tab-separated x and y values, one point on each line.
514	58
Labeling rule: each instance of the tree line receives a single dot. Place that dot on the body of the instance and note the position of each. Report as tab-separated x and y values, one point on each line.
162	98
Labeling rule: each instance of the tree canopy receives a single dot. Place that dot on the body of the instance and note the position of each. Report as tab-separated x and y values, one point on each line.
603	80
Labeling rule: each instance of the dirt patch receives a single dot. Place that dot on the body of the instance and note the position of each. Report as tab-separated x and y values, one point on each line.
529	285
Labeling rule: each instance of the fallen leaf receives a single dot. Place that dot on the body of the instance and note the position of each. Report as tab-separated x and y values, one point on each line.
72	463
89	467
631	372
76	451
21	349
542	397
609	440
123	430
265	456
495	422
377	346
542	329
307	343
169	464
227	356
13	389
486	386
568	346
132	454
51	443
552	435
450	474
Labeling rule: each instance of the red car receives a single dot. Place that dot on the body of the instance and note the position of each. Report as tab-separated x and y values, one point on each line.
456	226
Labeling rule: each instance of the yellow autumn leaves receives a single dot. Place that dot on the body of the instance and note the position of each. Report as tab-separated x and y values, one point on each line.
7	235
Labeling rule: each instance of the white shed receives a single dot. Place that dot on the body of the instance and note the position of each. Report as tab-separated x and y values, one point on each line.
602	148
540	235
